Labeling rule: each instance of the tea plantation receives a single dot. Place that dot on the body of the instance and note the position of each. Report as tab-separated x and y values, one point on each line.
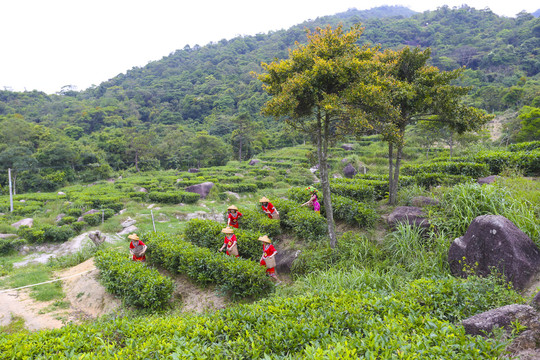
382	293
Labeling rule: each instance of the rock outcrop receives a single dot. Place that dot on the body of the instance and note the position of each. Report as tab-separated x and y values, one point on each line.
494	242
201	189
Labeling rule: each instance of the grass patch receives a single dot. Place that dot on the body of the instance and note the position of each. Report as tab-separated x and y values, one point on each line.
15	326
34	274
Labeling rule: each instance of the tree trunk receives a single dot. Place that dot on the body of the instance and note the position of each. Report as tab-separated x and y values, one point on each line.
395	184
240	151
390	171
322	152
137	160
14	181
451	143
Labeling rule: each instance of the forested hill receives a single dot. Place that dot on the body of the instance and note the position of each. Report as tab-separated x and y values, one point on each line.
165	114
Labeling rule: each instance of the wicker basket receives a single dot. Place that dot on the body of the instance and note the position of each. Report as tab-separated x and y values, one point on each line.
270	262
139	250
233	250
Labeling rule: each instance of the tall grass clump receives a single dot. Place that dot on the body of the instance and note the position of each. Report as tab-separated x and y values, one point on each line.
461	204
416	252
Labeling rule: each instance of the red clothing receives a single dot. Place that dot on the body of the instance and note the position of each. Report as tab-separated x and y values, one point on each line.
268	250
135	258
269	209
230	242
233	220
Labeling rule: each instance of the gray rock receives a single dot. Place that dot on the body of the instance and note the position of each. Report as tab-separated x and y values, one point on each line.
487	180
61	193
24	250
408	215
232	194
6	236
128	230
421	201
285	259
201	189
193	170
24	222
128	222
60	217
349	171
337	176
140	189
536	301
347	147
483	323
89	212
493	241
254	162
344	161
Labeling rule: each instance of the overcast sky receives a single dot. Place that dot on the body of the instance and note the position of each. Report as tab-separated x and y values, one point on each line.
46	44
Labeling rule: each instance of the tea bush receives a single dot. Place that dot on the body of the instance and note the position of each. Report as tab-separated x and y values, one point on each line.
46	233
174	197
471	169
359	191
207	233
410	323
133	281
258	221
525	146
353	212
428	180
238	188
527	161
305	223
8	245
237	276
67	220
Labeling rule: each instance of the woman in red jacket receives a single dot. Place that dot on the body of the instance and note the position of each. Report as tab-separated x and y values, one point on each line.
268	258
137	248
230	242
233	216
268	208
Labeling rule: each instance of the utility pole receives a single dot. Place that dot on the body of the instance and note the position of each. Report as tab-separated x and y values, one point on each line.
10	191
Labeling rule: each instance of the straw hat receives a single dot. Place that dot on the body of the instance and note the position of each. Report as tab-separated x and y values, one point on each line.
265	239
227	230
263	200
133	237
232	207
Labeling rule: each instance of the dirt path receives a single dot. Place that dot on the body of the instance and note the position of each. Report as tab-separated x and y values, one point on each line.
18	303
87	296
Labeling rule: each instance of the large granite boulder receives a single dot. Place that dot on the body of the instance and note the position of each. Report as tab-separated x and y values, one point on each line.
347	147
24	222
493	241
284	260
254	162
201	189
408	215
349	171
193	170
483	323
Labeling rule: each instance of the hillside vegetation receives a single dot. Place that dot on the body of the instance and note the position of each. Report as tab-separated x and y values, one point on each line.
200	106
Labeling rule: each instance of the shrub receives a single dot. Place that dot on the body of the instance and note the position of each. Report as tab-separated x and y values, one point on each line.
258	221
238	277
78	226
166	197
138	195
8	245
238	188
428	180
471	169
498	161
353	212
53	233
207	233
357	190
67	220
133	281
32	235
525	146
305	223
74	212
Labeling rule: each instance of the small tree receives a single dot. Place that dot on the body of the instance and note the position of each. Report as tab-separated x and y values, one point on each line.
308	88
417	92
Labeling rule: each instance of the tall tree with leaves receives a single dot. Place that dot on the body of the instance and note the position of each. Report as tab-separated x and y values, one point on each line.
307	89
419	92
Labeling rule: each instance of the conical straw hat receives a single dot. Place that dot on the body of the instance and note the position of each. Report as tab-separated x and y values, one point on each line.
227	230
232	207
133	237
265	239
264	200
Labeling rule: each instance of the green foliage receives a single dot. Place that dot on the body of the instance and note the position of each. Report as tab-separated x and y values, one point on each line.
475	170
358	190
305	223
133	281
464	202
258	221
239	277
239	187
428	180
498	161
353	212
333	325
8	245
525	146
67	220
